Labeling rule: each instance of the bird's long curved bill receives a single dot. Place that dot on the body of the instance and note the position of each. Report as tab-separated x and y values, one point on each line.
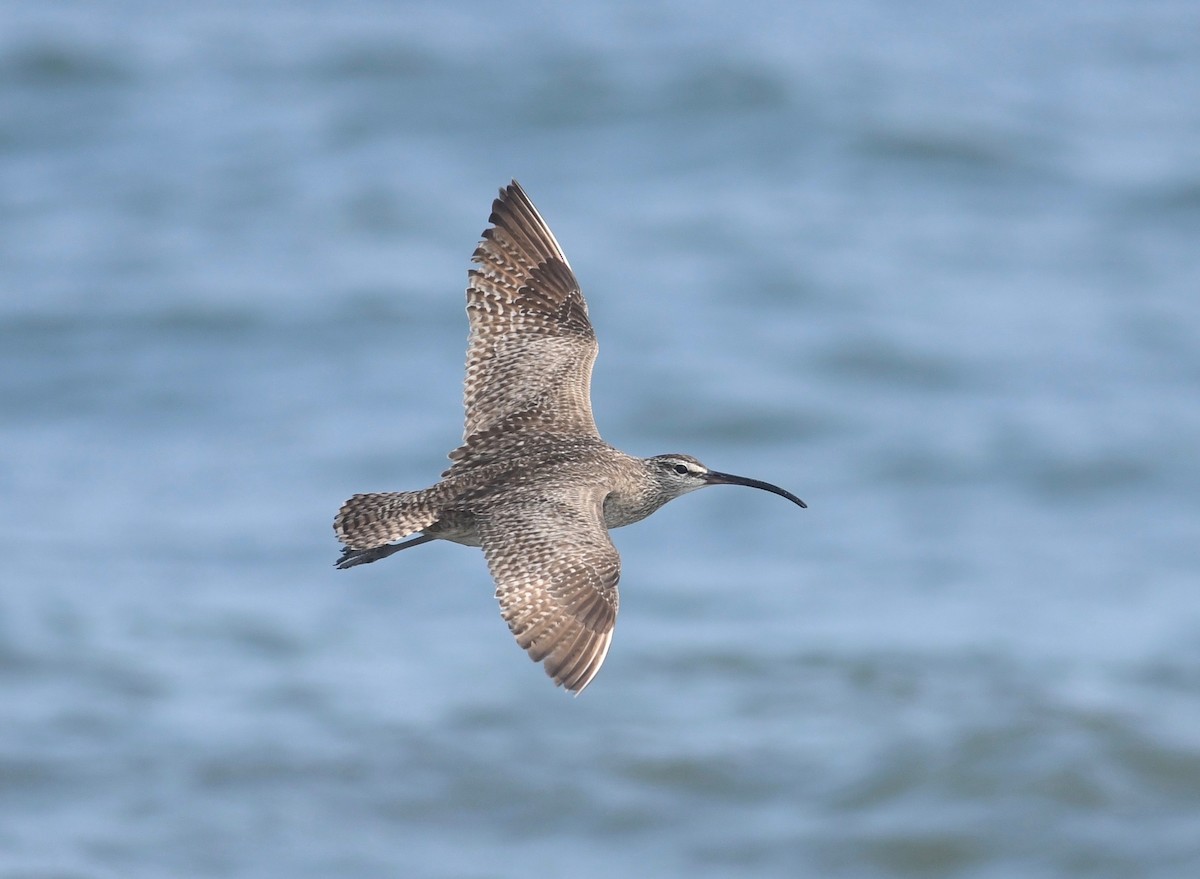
715	478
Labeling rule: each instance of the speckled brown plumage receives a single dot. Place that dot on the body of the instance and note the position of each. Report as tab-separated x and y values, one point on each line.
531	348
533	483
556	579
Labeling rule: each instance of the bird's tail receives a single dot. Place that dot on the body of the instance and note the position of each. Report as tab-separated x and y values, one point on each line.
369	520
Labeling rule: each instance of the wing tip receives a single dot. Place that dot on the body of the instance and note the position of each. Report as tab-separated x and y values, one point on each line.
580	676
514	212
509	194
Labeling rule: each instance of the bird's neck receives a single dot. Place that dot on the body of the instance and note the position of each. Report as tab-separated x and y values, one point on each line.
632	501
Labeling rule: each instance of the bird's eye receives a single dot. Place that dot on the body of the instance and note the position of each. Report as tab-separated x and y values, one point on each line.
681	469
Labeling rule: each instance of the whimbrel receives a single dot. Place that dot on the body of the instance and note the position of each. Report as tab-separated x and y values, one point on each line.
533	483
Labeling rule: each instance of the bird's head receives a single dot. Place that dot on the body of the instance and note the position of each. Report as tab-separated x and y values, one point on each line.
678	474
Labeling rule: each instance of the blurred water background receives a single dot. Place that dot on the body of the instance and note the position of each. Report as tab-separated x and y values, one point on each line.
933	267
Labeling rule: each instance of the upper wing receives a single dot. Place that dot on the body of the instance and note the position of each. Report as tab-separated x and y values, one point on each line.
556	573
531	349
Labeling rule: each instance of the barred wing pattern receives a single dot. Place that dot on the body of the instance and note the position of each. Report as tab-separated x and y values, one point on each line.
556	573
531	348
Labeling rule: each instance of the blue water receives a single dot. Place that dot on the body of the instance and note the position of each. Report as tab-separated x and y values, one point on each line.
934	268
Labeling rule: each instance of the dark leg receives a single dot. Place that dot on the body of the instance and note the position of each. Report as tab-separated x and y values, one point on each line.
351	557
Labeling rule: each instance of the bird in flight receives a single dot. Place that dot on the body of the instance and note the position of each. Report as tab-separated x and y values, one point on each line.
533	483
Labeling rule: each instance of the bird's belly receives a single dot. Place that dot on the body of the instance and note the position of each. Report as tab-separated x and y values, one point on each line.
466	539
461	531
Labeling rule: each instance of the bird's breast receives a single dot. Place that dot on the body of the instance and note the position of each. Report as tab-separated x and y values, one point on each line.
622	509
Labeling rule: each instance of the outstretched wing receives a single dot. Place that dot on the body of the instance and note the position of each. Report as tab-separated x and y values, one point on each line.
556	573
531	349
